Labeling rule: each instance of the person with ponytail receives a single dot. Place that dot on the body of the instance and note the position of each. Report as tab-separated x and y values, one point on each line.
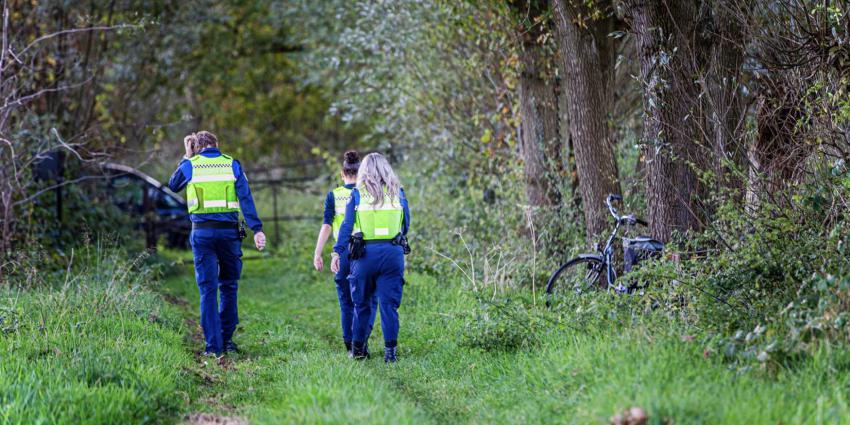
335	204
374	232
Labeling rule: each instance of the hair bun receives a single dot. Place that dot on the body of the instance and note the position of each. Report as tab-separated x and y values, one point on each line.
351	157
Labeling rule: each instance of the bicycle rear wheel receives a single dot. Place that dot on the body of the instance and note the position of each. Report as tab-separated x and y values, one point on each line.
575	276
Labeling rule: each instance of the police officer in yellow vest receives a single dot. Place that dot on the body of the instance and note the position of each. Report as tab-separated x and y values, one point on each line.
216	190
335	204
373	233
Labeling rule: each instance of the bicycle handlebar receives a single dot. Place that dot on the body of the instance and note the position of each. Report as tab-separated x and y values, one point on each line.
612	197
628	219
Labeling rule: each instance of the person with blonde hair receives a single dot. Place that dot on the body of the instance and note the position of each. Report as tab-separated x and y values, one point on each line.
374	234
335	204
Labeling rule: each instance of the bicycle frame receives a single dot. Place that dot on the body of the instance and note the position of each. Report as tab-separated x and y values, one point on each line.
608	255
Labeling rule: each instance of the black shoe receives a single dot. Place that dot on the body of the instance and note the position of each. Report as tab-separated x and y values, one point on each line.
231	347
210	354
359	352
390	354
348	349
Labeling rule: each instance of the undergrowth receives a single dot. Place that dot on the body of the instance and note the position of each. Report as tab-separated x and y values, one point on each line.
90	344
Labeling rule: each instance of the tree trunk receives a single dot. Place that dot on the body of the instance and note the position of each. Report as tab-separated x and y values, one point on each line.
777	154
588	62
671	52
538	130
568	159
725	107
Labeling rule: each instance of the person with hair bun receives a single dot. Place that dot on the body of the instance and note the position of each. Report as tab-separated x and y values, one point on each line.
335	204
374	235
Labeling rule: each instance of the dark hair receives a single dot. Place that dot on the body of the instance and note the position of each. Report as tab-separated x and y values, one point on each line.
206	139
350	163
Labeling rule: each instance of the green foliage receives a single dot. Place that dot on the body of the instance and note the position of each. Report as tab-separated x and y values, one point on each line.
582	367
501	325
765	286
92	345
816	318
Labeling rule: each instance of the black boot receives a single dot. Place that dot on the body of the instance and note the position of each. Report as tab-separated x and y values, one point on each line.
349	349
390	354
231	347
358	351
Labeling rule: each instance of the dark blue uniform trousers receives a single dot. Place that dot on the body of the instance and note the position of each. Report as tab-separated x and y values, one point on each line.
346	305
218	266
380	271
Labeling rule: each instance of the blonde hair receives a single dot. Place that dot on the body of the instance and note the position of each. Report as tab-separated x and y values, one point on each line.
375	176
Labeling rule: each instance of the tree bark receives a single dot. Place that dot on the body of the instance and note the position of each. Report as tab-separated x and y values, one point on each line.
588	54
726	109
777	154
671	51
538	130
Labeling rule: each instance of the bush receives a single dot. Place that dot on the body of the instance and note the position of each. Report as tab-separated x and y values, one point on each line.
500	326
766	287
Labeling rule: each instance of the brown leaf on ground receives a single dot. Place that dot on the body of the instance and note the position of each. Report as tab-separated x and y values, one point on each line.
210	419
630	416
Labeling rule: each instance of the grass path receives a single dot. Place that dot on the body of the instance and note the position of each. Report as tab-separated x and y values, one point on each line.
293	367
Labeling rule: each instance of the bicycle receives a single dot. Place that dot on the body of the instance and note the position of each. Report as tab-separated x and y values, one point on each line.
584	271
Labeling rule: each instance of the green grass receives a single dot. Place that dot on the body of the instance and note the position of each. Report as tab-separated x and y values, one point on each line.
93	347
99	346
294	369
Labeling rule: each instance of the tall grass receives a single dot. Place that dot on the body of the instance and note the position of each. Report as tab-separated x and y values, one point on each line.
90	345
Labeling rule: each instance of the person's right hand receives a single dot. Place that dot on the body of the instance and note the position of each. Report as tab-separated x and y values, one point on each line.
318	263
260	240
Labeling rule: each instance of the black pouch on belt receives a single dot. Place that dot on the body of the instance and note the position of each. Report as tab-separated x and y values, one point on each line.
242	232
356	246
401	241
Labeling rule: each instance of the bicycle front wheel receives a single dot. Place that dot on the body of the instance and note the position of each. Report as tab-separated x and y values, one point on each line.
575	276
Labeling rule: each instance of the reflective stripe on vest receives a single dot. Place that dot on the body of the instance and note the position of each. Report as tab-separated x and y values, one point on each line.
212	188
341	195
381	221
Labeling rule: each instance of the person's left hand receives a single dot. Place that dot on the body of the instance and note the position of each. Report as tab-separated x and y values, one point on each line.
335	264
260	240
187	145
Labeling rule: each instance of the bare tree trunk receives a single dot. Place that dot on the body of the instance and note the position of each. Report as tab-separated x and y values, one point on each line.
538	131
671	50
588	55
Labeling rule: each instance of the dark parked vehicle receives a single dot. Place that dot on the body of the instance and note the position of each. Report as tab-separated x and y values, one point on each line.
161	212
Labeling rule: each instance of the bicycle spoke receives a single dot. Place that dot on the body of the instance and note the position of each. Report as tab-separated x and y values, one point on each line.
573	278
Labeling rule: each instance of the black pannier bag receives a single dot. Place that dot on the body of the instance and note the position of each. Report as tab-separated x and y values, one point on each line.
639	249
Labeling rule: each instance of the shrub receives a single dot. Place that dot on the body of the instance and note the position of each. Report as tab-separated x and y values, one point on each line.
503	325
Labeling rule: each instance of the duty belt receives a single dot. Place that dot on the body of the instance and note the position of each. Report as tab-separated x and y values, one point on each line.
374	241
216	225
